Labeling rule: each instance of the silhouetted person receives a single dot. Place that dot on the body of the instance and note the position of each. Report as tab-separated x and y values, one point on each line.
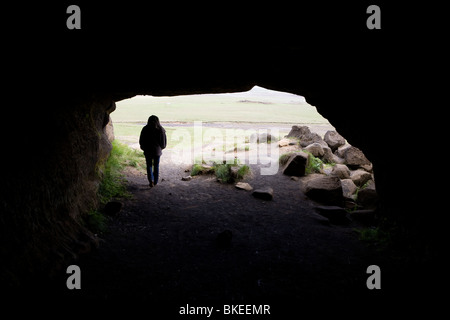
153	140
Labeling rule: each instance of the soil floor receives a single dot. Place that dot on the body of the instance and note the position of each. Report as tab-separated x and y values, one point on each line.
161	250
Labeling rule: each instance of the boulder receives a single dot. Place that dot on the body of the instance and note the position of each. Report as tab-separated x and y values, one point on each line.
243	186
354	157
263	193
315	149
330	157
305	135
296	164
348	188
340	152
335	214
297	132
367	167
333	139
324	189
368	197
360	177
341	171
309	138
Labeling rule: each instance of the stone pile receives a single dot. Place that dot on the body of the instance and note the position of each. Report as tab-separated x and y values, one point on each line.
348	181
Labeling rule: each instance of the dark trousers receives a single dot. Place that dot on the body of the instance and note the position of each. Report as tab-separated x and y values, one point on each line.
152	173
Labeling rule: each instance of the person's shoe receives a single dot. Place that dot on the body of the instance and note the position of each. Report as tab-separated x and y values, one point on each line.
151	185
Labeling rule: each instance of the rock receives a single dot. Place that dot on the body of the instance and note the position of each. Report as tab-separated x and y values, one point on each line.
263	193
109	130
340	152
360	177
224	238
284	142
315	149
262	138
368	197
335	214
309	138
324	189
187	178
350	203
367	167
319	218
298	132
348	188
341	171
330	157
304	134
354	157
112	208
296	164
333	139
243	186
234	172
327	155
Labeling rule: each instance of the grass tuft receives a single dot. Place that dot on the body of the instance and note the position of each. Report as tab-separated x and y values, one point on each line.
113	184
315	165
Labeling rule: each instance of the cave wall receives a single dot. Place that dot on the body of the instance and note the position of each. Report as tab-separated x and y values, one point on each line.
50	184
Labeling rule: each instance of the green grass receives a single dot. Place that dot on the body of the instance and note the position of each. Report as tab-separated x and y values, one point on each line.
243	171
112	183
96	221
314	165
284	158
220	107
222	171
375	236
201	169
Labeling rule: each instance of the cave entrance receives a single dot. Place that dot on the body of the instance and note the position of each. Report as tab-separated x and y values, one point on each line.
212	127
260	132
198	238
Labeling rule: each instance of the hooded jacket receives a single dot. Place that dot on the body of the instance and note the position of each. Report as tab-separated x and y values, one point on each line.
153	140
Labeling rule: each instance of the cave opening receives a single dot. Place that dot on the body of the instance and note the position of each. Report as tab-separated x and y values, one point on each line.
199	238
194	121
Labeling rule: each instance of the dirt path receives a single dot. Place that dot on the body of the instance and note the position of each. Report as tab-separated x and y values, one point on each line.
162	246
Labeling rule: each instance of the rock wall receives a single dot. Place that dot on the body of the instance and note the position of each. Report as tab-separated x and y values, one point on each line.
50	182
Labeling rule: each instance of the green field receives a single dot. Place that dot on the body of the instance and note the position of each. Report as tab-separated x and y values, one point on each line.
257	105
